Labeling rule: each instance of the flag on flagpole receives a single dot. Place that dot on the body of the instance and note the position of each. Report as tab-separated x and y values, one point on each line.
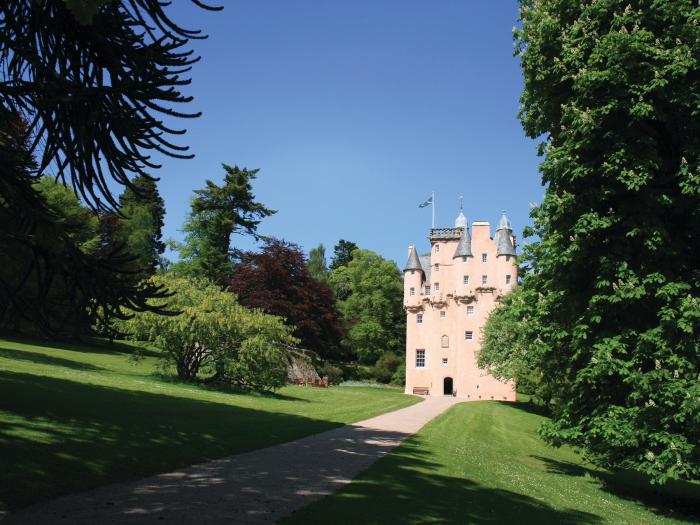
426	203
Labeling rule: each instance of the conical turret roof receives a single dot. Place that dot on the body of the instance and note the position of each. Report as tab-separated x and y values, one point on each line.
504	232
464	248
413	262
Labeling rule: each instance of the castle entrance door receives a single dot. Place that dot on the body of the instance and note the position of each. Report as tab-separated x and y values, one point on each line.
447	386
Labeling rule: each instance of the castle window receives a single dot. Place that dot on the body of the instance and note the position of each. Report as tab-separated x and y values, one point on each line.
412	272
444	360
442	314
445	341
419	318
507	279
420	358
507	258
436	287
437	267
427	289
437	248
468	335
484	279
484	257
465	279
412	291
470	310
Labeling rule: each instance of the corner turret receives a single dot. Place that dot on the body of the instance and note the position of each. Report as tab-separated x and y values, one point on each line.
504	237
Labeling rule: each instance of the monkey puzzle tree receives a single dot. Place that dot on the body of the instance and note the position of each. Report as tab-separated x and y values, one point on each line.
613	86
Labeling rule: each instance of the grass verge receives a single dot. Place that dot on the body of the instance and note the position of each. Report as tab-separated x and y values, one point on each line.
76	416
483	462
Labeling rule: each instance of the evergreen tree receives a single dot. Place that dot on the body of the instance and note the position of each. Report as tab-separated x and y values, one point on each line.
143	213
317	263
613	273
217	213
342	253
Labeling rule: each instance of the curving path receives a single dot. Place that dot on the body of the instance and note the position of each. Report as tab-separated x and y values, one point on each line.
256	487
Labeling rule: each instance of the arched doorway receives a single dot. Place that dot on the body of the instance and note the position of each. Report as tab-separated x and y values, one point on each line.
447	386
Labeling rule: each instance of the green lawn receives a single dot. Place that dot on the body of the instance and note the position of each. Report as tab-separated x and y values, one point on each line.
482	462
77	416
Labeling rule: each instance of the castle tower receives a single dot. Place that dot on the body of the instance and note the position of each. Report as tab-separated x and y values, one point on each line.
448	295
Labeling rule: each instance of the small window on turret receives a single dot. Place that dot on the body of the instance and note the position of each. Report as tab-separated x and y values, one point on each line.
412	272
507	258
507	279
437	267
484	279
437	248
419	318
484	257
412	291
465	279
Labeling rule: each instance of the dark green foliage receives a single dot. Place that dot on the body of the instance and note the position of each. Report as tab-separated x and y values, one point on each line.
94	95
317	263
342	254
388	368
614	87
217	213
143	213
333	373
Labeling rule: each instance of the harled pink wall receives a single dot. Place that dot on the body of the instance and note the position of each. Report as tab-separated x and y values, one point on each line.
453	298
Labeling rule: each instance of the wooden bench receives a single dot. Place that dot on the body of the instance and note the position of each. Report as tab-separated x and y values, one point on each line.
421	390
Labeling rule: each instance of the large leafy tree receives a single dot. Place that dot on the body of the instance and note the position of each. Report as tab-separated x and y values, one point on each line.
143	212
277	280
373	306
613	87
217	213
214	337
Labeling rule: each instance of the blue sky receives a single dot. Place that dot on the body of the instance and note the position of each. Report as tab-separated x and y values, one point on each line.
354	112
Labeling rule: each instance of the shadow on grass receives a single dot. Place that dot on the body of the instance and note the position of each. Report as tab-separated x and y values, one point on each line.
91	345
675	499
527	406
59	436
43	359
405	487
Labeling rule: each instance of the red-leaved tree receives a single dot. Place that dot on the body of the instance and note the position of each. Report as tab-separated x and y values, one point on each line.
277	281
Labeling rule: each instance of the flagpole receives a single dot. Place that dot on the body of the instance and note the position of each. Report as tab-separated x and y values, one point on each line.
433	206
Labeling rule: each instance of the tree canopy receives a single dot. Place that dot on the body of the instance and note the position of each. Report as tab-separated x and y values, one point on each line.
373	305
317	263
342	253
218	212
612	86
277	281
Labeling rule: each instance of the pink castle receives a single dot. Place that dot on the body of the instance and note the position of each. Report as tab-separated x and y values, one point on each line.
448	295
